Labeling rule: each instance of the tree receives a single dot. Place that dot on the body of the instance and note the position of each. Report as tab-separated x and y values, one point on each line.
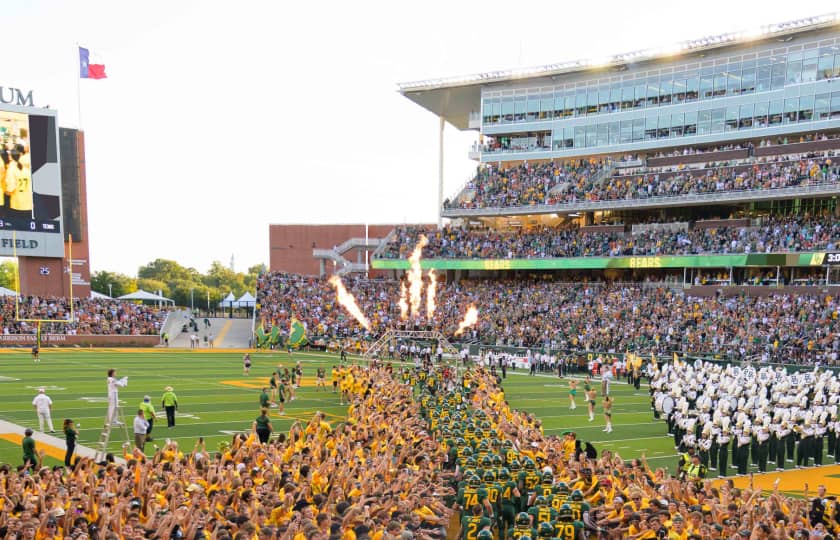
120	283
153	286
185	286
168	271
253	273
221	277
8	274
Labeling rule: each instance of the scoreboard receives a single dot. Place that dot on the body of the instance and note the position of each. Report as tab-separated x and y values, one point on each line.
30	183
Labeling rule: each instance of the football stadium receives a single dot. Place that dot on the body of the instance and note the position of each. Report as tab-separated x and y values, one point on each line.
627	327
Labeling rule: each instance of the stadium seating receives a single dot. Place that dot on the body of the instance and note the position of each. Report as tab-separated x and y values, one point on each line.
92	316
557	183
581	316
789	234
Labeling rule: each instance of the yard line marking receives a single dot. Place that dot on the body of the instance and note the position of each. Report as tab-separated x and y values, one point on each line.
587	425
625	440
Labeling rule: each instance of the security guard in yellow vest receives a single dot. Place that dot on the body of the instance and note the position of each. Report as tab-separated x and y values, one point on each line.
696	471
685	462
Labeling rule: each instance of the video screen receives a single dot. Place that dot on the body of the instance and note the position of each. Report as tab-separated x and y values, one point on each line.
30	184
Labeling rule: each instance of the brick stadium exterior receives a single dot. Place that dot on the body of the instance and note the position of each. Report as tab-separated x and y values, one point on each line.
291	246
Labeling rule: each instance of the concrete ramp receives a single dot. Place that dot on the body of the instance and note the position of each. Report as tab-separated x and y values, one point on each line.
226	333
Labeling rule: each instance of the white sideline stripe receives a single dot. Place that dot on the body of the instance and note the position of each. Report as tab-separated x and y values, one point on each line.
610	441
588	425
46	438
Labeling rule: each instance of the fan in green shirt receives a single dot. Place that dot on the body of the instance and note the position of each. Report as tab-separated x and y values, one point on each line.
149	413
28	446
170	405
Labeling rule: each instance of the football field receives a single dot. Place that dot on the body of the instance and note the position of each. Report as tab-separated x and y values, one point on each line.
217	400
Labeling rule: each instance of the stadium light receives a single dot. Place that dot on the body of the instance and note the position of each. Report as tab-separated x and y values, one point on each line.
601	61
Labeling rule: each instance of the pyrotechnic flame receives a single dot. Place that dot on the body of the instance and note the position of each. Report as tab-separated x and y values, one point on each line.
469	320
430	295
403	303
415	276
349	302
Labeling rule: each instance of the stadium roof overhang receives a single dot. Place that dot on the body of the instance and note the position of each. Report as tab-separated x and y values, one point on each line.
454	103
455	98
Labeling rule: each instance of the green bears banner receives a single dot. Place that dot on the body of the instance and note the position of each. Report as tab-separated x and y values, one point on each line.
297	334
262	338
575	263
275	337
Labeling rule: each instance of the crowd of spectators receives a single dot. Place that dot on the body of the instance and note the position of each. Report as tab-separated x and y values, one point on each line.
692	150
377	471
580	316
624	497
91	316
554	183
775	235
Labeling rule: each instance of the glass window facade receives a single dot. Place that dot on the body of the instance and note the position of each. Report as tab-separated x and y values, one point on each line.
681	101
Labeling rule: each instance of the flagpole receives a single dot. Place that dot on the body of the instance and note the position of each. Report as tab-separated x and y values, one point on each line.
78	86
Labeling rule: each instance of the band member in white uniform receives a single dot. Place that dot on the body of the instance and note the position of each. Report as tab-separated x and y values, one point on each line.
114	385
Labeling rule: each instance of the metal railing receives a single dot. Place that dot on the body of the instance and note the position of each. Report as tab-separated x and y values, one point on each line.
356	242
812	190
377	253
461	188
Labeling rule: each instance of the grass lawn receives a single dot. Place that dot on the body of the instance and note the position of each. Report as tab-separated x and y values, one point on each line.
216	399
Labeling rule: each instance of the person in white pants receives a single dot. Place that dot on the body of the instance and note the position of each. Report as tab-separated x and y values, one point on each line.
114	385
43	407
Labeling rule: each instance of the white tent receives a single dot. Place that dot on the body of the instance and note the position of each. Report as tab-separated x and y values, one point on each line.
145	296
7	292
229	301
246	301
99	296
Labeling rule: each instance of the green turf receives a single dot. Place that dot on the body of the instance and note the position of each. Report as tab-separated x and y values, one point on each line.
207	407
635	432
76	382
14	452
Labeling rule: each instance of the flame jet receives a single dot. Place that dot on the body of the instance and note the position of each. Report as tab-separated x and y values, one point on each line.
349	302
415	276
403	303
430	295
469	320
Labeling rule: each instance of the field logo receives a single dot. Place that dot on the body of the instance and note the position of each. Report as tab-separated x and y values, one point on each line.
98	400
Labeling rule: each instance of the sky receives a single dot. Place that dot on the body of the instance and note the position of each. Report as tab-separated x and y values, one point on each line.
220	118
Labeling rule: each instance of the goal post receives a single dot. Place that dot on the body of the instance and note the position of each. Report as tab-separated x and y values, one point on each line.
71	300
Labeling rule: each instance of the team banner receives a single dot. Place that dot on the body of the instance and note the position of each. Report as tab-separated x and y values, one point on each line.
589	263
297	333
262	338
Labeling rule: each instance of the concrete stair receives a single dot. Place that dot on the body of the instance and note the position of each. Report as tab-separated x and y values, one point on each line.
227	334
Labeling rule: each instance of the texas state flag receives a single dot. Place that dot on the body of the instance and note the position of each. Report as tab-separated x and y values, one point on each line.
88	70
